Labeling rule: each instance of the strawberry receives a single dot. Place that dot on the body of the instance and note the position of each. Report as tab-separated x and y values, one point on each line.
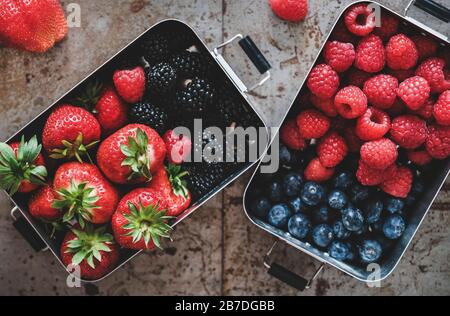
70	132
22	166
132	154
140	220
178	147
130	84
84	193
173	189
40	205
92	250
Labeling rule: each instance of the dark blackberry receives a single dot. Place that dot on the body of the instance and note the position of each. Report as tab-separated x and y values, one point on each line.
209	146
190	64
151	115
155	48
196	97
180	41
202	178
161	79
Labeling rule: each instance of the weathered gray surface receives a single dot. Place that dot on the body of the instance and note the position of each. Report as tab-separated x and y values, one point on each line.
217	251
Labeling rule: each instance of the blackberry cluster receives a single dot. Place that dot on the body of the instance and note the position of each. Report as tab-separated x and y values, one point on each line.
155	48
203	178
162	78
150	114
190	64
196	97
210	145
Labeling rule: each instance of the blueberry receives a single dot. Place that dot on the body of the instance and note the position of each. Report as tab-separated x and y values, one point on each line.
339	251
394	206
353	219
323	235
296	205
343	181
362	231
370	251
299	226
275	192
322	214
394	227
340	232
337	200
285	155
359	193
261	207
312	194
279	215
373	211
292	184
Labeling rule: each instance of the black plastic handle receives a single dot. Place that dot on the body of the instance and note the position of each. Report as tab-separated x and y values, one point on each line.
29	234
288	277
434	8
255	54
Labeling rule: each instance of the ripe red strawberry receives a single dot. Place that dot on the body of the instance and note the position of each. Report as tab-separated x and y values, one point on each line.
441	109
426	46
84	193
340	56
438	141
379	154
324	105
357	77
388	26
332	150
70	132
178	147
290	10
420	157
40	205
409	131
350	102
381	91
373	125
401	53
370	54
316	172
360	20
92	250
290	136
140	220
312	124
399	185
130	84
132	154
169	183
369	176
323	81
414	92
435	72
22	166
353	141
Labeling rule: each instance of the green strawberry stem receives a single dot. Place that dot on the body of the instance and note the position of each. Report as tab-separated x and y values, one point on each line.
15	169
179	186
90	97
136	156
76	149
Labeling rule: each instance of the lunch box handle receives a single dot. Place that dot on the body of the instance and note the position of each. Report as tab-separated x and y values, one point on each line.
434	8
27	231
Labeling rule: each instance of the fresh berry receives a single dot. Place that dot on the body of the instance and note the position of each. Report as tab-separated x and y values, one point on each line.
401	75
356	77
340	251
190	64
337	200
322	235
203	178
312	194
379	154
323	81
438	141
370	54
324	105
373	125
290	10
370	251
150	114
351	102
290	136
178	147
435	72
414	92
373	211
354	143
299	226
40	205
369	176
340	232
315	171
401	53
381	91
359	193
292	184
426	46
409	131
343	181
322	215
279	215
352	218
420	157
394	205
332	150
180	41
261	207
388	26
426	111
155	47
394	227
359	20
441	109
161	79
399	185
341	34
275	191
312	124
296	204
197	96
340	56
130	84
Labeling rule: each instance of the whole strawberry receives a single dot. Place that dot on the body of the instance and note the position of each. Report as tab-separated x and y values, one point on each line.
441	110
70	132
130	84
40	205
379	154
178	147
359	20
132	154
291	137
323	81
340	56
370	54
332	150
84	194
140	221
409	131
22	166
434	71
290	10
401	53
415	92
92	250
381	91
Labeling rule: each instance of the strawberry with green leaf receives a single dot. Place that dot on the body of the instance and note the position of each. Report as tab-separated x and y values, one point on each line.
41	207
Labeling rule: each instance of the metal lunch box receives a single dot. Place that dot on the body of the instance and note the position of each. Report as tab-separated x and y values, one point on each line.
439	173
35	232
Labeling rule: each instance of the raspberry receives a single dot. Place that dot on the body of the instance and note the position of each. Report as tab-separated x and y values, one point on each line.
426	111
332	150
401	75
370	54
341	34
340	56
438	141
379	154
290	10
409	131
360	20
381	91
369	176
389	26
414	92
324	105
441	109
419	157
323	81
433	70
316	172
400	184
350	102
312	124
426	46
354	143
290	136
358	77
373	125
401	53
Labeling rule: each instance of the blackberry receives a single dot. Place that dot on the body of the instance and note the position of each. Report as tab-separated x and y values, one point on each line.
209	144
196	97
161	79
155	48
204	178
190	64
151	115
180	41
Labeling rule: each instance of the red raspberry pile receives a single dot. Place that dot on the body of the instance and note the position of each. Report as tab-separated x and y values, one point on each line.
381	92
